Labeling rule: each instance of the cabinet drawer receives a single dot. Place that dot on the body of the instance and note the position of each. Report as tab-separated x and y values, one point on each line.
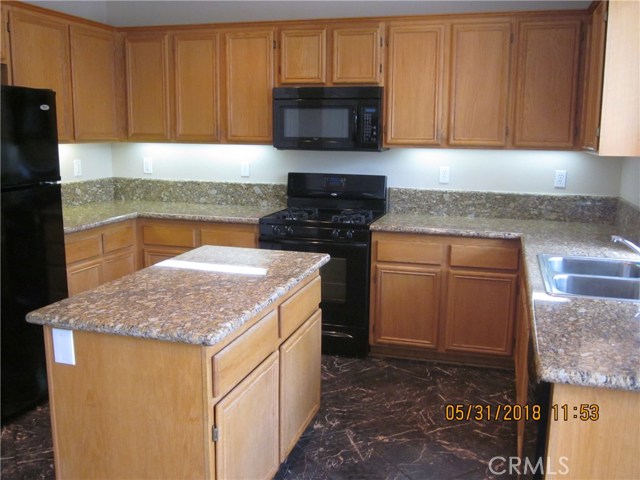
170	235
295	311
117	238
410	252
236	360
230	236
499	258
83	248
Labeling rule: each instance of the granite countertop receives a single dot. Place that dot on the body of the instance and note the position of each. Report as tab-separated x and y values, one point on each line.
581	341
183	300
78	218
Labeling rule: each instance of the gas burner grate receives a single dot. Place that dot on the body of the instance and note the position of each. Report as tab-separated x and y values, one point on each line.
359	217
294	213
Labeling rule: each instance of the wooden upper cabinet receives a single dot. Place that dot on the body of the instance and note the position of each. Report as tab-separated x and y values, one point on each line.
248	83
303	55
357	55
96	73
546	82
593	75
40	59
148	101
196	86
479	86
415	84
620	120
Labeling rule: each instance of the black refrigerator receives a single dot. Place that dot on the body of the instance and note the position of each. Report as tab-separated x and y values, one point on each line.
33	260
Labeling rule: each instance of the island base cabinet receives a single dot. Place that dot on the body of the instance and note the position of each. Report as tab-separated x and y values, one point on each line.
124	407
593	433
300	382
247	426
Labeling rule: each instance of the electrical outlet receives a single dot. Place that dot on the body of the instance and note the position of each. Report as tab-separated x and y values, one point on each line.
244	169
444	175
560	179
77	167
147	165
63	349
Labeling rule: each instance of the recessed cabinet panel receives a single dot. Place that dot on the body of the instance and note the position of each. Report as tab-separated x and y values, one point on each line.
40	59
356	55
547	80
196	86
248	83
415	84
480	312
96	82
303	56
480	62
147	86
407	306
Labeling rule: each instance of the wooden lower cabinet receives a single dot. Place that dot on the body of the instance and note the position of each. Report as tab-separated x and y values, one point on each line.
164	239
247	424
480	312
99	255
144	408
444	298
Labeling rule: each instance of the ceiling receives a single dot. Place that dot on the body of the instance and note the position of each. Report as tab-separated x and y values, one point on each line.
121	13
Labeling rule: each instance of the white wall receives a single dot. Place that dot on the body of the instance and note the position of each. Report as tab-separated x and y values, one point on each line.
630	180
485	170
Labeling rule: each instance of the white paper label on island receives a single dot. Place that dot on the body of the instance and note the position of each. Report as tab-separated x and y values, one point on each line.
63	351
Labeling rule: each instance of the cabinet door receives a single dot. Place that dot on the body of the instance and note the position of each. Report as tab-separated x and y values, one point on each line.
147	86
407	301
415	84
480	312
196	85
84	276
116	266
95	69
299	382
303	56
5	54
153	255
356	55
593	75
480	63
247	421
40	59
546	83
248	85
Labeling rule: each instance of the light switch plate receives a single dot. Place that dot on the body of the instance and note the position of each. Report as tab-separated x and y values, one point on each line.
147	165
77	167
444	175
244	169
63	348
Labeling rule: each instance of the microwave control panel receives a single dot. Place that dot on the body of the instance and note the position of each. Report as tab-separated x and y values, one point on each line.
369	126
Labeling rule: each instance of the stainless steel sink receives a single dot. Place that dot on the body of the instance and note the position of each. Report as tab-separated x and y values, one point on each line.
591	277
605	267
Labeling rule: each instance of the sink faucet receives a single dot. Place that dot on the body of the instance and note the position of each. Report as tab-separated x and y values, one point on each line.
628	243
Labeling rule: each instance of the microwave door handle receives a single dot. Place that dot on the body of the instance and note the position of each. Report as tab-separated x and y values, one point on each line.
355	126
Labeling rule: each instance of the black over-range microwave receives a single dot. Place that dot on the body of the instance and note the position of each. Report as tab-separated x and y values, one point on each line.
327	118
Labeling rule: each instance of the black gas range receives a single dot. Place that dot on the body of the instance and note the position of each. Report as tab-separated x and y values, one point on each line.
331	213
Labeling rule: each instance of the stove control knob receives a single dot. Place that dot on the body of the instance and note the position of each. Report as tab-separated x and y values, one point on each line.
288	231
276	230
335	233
349	234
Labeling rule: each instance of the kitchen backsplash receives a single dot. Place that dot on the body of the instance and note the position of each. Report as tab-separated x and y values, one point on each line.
574	208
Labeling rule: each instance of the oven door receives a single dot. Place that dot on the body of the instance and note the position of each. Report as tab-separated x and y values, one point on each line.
345	292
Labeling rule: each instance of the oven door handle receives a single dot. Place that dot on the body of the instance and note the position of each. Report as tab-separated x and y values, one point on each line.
329	243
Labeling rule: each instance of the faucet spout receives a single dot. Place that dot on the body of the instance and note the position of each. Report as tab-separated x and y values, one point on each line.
628	243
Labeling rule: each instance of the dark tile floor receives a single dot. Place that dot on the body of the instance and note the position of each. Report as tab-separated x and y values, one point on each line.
379	419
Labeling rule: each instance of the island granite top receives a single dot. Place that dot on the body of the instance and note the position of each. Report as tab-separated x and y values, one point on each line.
581	341
189	299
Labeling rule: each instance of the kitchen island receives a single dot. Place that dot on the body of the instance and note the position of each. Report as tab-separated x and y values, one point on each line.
203	366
